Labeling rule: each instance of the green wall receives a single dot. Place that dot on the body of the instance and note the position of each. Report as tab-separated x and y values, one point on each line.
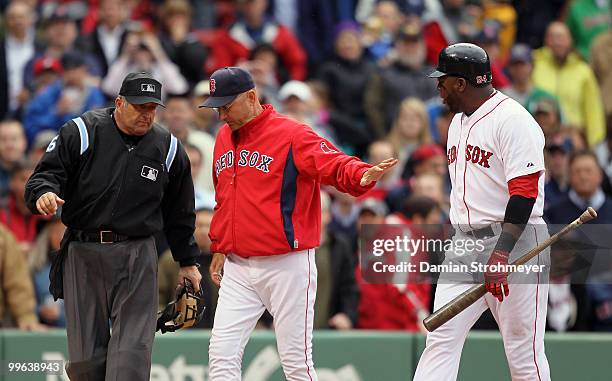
353	356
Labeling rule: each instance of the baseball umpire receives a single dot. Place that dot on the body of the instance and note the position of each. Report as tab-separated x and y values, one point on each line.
121	178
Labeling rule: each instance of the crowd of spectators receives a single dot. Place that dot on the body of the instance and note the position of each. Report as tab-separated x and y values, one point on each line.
356	72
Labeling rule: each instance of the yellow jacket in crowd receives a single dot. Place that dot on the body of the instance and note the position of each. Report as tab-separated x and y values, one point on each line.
505	14
17	291
576	87
601	59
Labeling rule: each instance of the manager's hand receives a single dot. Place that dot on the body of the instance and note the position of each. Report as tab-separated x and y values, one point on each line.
216	266
377	171
48	203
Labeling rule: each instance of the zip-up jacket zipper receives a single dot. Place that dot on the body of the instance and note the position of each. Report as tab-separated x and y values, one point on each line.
234	181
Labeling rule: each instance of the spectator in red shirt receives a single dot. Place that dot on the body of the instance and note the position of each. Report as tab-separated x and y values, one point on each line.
396	304
488	39
14	213
13	146
253	27
454	23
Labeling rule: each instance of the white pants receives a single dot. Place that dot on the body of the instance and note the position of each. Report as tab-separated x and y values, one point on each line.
521	318
286	285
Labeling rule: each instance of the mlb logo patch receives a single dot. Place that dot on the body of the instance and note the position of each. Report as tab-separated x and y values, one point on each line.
213	86
147	87
480	79
149	173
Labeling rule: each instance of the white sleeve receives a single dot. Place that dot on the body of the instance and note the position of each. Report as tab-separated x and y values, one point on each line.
521	145
111	84
171	77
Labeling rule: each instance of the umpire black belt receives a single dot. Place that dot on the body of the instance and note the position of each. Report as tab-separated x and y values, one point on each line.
103	236
483	233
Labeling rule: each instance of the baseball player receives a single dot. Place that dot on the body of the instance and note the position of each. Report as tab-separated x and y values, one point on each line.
496	164
267	173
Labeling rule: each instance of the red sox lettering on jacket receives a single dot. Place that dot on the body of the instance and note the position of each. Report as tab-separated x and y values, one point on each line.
247	159
267	178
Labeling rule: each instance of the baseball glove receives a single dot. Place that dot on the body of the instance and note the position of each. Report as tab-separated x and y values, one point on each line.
184	312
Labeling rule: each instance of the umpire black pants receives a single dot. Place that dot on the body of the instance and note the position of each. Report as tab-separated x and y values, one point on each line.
110	285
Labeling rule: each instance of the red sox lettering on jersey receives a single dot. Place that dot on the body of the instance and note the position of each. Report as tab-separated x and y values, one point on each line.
498	142
473	154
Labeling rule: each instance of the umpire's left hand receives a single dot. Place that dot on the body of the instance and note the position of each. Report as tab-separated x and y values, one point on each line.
193	274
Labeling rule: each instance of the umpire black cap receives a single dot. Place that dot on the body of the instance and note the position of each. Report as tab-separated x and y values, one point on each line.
467	61
141	88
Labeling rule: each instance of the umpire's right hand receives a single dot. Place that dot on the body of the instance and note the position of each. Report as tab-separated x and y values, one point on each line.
48	203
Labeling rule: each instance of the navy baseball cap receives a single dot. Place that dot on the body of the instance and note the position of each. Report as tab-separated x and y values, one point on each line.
226	84
60	14
141	88
72	59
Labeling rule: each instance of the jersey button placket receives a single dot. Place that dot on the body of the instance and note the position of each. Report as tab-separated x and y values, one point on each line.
461	168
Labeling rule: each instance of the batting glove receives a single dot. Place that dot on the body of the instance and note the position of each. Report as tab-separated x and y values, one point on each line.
496	281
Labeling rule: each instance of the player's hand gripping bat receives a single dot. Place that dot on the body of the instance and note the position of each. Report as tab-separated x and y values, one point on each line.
466	299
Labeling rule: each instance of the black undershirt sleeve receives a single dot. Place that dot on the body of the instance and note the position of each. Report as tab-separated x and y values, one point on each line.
518	211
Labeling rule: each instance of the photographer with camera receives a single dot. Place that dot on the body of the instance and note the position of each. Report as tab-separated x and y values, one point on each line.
143	52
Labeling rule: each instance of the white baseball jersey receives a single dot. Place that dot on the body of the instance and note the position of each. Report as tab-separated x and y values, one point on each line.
497	143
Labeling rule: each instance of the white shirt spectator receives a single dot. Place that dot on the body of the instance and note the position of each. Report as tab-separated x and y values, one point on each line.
165	71
285	12
18	53
110	40
206	144
604	156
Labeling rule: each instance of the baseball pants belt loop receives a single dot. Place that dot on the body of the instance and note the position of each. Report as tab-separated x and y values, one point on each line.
484	233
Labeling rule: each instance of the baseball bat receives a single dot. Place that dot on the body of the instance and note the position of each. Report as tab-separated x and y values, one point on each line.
467	298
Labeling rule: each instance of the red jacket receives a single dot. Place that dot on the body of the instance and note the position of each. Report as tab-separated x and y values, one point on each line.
384	304
22	226
267	178
435	41
235	45
385	307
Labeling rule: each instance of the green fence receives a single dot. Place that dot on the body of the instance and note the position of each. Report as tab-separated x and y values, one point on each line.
354	356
